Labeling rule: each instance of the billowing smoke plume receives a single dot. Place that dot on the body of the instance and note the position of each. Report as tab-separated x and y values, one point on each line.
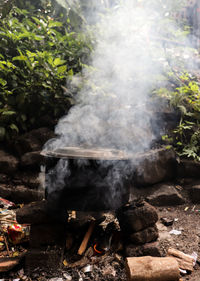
114	109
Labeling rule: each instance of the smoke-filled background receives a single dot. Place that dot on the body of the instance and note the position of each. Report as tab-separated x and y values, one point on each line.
114	108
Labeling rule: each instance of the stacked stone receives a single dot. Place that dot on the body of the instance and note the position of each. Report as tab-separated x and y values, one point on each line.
47	237
138	224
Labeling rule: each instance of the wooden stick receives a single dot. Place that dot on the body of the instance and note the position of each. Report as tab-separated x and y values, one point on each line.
185	261
86	238
152	268
5	239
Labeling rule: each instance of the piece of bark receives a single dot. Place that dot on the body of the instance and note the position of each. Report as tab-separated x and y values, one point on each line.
185	261
86	238
152	269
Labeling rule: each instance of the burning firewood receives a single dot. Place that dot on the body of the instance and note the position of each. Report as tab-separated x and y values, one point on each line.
86	238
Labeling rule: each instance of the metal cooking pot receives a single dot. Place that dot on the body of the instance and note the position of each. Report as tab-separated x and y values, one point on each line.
87	179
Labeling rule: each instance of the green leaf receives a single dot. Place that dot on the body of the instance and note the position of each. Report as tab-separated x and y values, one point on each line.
46	86
37	37
2	132
58	61
70	72
36	20
23	116
62	69
9	112
14	127
54	23
165	137
20	58
3	82
10	65
168	147
50	60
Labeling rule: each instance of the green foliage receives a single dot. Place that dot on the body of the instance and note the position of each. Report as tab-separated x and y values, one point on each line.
185	98
5	7
37	56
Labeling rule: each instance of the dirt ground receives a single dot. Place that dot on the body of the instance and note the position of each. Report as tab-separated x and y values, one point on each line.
187	220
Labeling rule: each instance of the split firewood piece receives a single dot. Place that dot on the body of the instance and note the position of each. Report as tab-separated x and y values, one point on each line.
185	261
86	238
152	269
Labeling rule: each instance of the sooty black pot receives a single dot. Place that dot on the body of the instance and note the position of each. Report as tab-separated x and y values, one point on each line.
87	180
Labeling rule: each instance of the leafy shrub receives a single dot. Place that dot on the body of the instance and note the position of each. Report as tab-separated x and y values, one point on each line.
186	99
37	56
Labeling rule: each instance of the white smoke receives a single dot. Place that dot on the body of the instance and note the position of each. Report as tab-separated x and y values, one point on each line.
113	108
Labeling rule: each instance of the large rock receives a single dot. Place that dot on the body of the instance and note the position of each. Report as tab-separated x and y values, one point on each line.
159	195
164	195
136	216
32	141
146	235
148	249
28	178
32	160
33	213
20	194
166	116
187	182
155	166
194	193
8	163
189	168
40	212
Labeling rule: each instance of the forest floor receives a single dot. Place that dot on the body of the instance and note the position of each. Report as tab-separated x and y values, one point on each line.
187	220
